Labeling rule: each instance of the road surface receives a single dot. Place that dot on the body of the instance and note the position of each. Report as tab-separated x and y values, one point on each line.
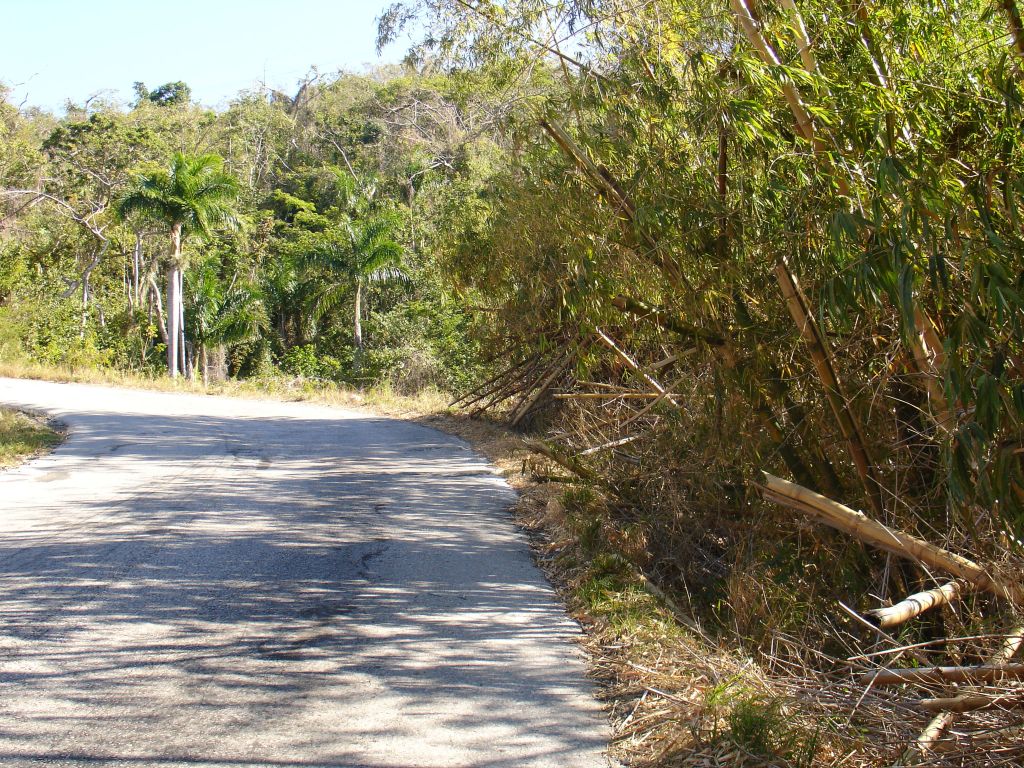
205	581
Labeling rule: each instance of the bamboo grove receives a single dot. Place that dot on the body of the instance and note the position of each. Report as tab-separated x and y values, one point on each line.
756	263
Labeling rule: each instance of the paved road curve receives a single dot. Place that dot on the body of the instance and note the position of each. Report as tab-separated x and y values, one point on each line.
200	581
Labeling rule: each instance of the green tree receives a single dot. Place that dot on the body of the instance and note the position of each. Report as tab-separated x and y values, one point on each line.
366	251
190	197
221	314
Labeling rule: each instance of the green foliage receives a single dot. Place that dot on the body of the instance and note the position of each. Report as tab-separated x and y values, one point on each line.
194	192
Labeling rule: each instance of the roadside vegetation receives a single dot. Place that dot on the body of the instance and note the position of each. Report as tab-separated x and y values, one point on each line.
22	437
734	292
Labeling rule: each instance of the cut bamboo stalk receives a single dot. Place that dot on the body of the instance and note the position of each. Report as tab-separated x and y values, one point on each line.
932	732
861	527
837	400
922	675
634	366
914	605
972	702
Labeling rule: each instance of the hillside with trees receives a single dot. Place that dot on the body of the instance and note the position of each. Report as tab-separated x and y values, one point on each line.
748	277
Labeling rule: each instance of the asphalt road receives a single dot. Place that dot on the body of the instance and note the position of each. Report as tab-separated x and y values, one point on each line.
205	581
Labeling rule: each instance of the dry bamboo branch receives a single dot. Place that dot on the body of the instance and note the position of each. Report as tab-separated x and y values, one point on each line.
861	527
938	725
634	366
914	605
971	702
921	675
929	357
837	400
606	446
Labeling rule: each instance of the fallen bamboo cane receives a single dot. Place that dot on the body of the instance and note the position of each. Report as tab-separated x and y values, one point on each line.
932	732
914	605
561	363
635	366
862	527
972	702
921	675
610	395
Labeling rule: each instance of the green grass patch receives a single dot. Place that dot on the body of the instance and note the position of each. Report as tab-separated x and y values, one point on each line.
22	437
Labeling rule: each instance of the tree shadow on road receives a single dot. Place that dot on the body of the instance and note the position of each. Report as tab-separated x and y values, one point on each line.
300	591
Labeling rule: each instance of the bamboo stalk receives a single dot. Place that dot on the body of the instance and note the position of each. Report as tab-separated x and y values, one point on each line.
610	395
538	391
923	675
666	322
972	702
796	105
803	42
564	461
837	400
494	380
861	527
634	366
914	605
932	732
1014	23
606	184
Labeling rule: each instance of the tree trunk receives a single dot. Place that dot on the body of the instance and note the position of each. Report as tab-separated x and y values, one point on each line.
173	319
357	332
137	271
182	347
174	302
357	328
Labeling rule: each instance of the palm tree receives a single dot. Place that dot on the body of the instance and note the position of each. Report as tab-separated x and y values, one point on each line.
192	196
221	314
366	253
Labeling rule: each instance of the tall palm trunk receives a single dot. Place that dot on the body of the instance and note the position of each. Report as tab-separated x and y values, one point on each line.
357	331
183	357
174	302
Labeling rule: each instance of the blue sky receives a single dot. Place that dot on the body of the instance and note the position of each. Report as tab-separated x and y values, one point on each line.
59	49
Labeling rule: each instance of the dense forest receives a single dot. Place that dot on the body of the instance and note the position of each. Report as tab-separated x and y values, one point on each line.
284	234
738	270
